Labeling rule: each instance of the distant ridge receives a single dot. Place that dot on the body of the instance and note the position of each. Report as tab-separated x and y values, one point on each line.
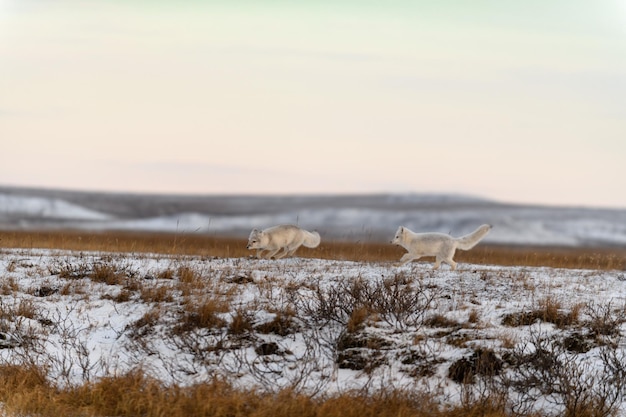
361	217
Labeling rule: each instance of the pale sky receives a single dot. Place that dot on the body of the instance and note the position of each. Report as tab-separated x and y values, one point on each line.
516	101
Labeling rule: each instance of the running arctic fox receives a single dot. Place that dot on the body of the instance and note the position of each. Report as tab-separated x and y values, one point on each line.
439	245
286	237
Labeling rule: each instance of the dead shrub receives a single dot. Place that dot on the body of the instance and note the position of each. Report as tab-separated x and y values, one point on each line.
483	362
8	286
12	266
133	284
361	340
523	318
68	270
100	271
168	273
282	324
419	365
473	317
400	301
508	340
359	360
605	320
45	291
188	275
241	322
360	351
577	342
397	301
357	319
157	293
265	349
122	297
544	370
440	321
144	326
204	314
548	311
107	274
26	308
458	339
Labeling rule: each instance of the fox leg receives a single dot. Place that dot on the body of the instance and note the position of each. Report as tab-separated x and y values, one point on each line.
408	257
292	251
271	253
447	258
451	263
283	253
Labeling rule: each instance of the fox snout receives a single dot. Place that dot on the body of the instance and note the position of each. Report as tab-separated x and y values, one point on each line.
252	246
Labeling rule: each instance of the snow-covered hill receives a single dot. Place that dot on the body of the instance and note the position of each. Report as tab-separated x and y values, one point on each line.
25	207
319	326
362	218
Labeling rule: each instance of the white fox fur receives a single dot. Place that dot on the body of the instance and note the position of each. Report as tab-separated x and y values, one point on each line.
439	245
286	237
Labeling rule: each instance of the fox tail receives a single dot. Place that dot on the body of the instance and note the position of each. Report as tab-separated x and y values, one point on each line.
467	242
311	239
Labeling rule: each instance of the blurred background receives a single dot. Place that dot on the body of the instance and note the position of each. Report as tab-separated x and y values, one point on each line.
350	117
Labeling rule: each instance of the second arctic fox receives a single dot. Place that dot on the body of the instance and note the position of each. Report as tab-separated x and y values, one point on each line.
439	245
286	237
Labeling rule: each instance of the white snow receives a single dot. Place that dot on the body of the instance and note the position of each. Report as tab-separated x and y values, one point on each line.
84	330
43	207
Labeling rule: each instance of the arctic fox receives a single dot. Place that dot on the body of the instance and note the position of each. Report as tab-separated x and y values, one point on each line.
285	237
440	245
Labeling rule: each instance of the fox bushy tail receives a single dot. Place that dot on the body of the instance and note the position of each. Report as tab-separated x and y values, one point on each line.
467	242
311	239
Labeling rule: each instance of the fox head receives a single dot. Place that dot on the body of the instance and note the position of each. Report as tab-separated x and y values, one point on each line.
254	241
397	239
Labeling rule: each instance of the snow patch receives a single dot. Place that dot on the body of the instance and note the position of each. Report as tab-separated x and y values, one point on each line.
47	208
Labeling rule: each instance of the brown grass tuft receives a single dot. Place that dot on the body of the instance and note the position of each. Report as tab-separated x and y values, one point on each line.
204	314
439	320
357	319
108	274
156	293
548	310
474	316
241	323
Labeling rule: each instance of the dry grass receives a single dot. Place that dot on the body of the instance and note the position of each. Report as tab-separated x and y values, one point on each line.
204	245
24	391
548	310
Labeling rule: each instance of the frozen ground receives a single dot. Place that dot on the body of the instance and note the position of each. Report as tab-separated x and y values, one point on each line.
362	218
318	326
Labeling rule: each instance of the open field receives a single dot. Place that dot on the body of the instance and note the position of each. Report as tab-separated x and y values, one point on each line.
127	324
205	245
